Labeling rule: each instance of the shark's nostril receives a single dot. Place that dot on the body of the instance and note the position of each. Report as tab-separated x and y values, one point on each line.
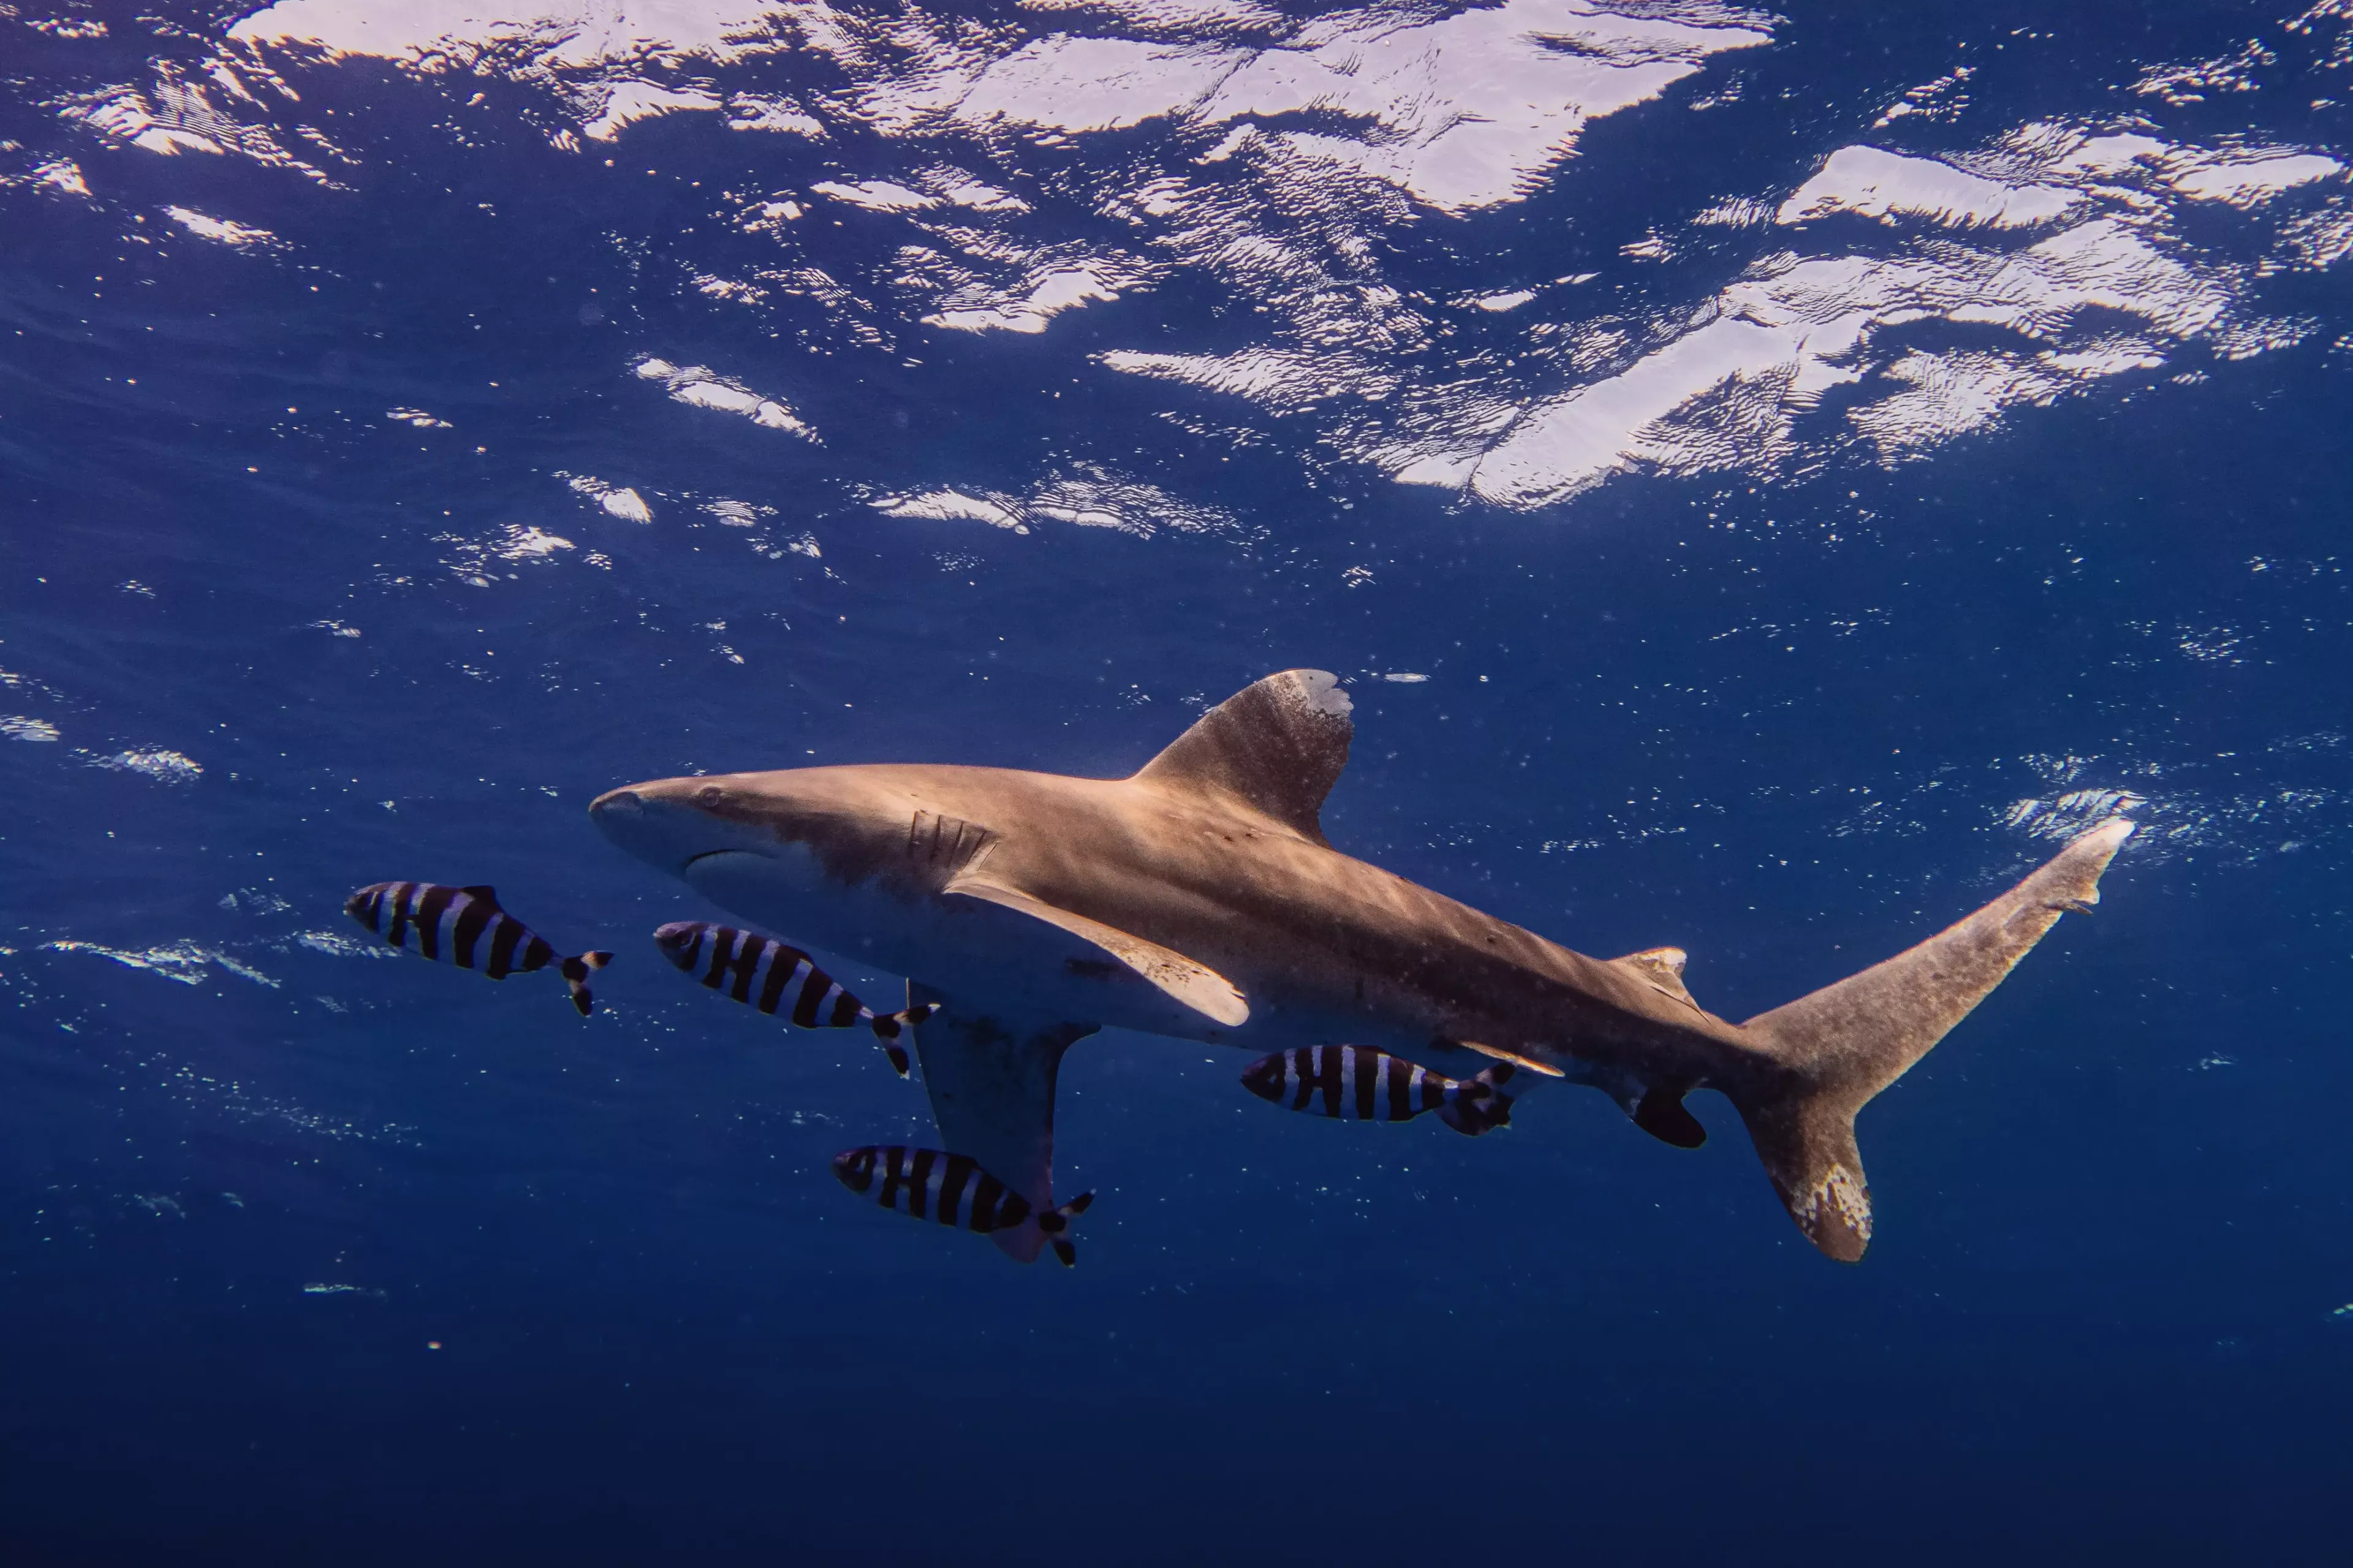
619	803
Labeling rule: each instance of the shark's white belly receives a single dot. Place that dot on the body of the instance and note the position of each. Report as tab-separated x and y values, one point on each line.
998	958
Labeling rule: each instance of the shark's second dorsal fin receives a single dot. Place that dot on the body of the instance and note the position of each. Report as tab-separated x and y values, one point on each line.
1277	746
1661	968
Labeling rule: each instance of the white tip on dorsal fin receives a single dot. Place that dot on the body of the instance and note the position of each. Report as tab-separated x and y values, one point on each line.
1277	746
1661	968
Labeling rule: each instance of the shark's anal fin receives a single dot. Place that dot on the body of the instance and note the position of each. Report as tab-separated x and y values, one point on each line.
1661	1113
1198	986
990	1075
1276	746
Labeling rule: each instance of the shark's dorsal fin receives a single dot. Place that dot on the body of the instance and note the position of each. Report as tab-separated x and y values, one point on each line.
1277	746
1661	968
1198	986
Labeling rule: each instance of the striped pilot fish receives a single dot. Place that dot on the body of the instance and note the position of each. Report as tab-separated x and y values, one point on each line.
764	972
1373	1086
466	926
926	1184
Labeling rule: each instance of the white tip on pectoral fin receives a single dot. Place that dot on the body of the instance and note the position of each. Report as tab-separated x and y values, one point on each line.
1196	985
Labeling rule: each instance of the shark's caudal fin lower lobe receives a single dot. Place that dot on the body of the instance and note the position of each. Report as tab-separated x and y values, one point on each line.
1838	1047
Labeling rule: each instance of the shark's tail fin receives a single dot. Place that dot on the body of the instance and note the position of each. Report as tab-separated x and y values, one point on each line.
1056	1224
1830	1052
576	973
889	1027
1483	1102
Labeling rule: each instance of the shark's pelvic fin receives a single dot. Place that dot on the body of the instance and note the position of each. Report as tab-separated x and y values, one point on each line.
990	1075
1544	1069
1201	988
1661	968
1834	1049
1277	747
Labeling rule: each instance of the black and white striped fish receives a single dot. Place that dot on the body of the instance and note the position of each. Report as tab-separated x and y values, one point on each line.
466	926
764	972
927	1183
1373	1086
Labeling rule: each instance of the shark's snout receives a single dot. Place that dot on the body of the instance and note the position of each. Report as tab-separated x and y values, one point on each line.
653	823
616	804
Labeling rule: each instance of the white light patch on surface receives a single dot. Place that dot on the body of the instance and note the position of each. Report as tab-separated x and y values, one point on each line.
1071	153
1088	497
157	764
630	101
1876	183
225	230
580	33
874	196
63	175
618	500
750	111
1066	83
1053	293
951	506
702	387
184	961
521	541
2247	184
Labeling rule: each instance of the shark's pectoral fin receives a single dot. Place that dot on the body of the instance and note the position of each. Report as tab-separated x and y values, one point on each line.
1196	985
990	1075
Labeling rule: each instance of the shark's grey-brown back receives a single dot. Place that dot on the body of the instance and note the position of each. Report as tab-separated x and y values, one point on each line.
1199	899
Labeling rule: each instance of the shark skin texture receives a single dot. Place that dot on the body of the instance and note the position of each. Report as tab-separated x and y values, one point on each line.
1200	899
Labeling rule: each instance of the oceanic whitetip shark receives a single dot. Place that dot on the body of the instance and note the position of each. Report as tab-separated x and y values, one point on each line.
1199	899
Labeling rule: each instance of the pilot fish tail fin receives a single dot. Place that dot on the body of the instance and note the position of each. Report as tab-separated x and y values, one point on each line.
576	973
1483	1102
1055	1225
889	1028
1827	1054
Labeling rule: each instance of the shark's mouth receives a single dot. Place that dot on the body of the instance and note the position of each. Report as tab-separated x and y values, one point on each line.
716	866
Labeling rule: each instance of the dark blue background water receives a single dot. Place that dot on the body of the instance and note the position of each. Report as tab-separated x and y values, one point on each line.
2096	1323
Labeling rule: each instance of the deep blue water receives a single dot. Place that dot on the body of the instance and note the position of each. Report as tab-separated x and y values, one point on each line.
326	444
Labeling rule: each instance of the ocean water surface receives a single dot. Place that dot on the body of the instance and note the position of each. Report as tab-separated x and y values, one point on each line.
1766	477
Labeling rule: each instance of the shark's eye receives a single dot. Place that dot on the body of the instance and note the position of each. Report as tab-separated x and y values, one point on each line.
707	795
